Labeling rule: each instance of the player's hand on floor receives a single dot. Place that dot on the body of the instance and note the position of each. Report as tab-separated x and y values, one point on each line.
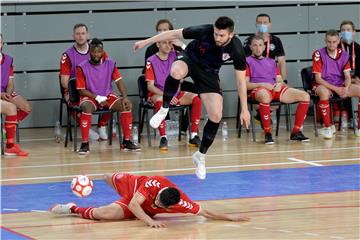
157	224
239	218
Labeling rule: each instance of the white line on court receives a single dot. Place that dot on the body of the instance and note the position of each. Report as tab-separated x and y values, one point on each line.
34	210
178	157
302	161
311	234
336	237
285	231
177	169
10	209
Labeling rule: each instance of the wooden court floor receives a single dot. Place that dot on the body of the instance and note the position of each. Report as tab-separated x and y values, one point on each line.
319	215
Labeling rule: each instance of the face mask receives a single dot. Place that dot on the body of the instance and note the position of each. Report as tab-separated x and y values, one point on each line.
346	36
262	28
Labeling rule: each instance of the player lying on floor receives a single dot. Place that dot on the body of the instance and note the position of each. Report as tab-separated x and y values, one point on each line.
142	198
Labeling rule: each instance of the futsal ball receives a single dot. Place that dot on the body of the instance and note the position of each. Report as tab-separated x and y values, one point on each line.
82	186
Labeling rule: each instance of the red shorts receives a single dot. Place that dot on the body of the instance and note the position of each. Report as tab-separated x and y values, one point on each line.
179	96
111	99
125	185
274	95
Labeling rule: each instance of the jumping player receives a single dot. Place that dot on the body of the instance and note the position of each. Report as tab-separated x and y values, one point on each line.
212	46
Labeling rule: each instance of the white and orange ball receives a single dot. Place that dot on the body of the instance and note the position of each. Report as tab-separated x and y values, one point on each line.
82	186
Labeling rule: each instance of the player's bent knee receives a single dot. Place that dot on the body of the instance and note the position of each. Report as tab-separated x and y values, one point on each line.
178	73
215	117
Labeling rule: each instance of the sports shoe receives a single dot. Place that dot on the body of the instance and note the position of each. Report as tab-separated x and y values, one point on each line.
195	141
328	133
199	160
163	143
93	135
127	145
62	208
15	151
268	139
299	136
84	148
156	120
323	130
102	133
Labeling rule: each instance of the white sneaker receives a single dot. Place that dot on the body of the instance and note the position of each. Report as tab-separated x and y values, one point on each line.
62	208
102	133
357	132
199	160
156	120
322	131
328	133
93	135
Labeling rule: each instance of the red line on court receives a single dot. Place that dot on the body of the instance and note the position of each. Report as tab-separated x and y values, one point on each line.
17	233
256	211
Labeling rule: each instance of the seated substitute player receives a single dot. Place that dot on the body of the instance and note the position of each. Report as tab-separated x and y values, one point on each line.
143	197
11	149
74	55
94	79
331	69
158	67
7	85
265	84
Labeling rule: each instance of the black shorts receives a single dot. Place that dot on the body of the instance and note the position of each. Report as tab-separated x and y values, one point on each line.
205	81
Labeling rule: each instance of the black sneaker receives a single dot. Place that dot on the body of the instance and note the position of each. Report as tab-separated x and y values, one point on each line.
268	139
128	145
84	148
299	136
163	143
195	141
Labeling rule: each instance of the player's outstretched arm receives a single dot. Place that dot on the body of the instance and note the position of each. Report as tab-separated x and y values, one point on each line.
222	216
167	35
135	208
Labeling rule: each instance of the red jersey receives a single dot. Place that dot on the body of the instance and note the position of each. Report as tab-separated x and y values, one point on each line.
149	72
317	62
127	184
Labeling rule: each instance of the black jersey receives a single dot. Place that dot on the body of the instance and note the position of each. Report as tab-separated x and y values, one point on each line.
204	51
354	56
276	48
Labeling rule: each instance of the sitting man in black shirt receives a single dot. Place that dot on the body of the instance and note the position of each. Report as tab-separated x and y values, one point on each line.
213	45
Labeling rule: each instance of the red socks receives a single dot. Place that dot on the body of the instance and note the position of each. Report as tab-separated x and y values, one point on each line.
162	128
264	110
126	124
86	213
300	116
10	128
325	112
104	119
21	115
85	125
195	114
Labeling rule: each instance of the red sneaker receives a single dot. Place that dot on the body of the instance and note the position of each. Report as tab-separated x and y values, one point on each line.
15	151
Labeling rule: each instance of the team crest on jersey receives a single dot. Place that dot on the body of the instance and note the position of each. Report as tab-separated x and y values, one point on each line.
225	56
272	47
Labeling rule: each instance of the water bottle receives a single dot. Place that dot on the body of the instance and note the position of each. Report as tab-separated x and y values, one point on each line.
344	121
57	132
135	135
224	131
273	118
114	132
4	136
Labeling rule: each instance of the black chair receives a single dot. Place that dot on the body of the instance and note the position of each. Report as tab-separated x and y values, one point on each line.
145	106
62	101
251	104
307	79
74	98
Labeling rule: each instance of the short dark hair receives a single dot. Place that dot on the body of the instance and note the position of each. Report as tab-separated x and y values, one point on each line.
169	196
331	33
161	21
78	25
95	43
224	23
263	15
346	22
255	37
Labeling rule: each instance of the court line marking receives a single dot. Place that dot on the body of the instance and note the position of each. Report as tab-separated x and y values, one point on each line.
17	233
10	209
336	237
305	162
285	231
178	157
176	169
311	234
